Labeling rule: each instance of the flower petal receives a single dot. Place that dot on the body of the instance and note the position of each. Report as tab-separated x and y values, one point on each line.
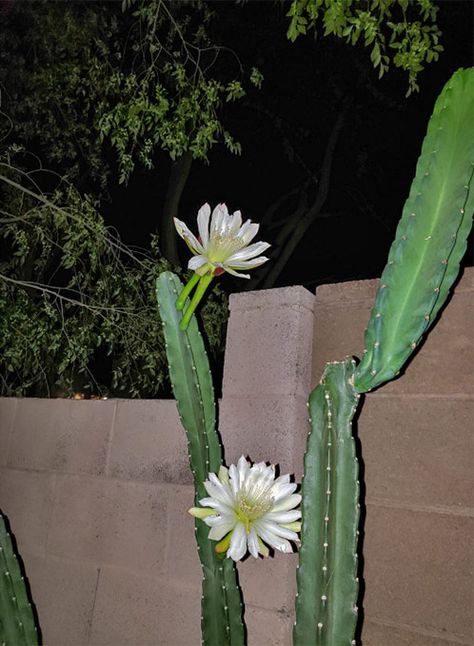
218	220
248	231
235	223
238	543
203	216
219	531
248	252
287	503
252	541
234	273
271	539
278	530
197	261
280	491
247	264
283	516
189	237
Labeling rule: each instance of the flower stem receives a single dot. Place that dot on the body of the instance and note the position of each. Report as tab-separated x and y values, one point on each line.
186	291
198	294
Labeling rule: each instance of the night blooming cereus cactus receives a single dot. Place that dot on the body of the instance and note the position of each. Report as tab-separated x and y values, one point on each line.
246	507
239	503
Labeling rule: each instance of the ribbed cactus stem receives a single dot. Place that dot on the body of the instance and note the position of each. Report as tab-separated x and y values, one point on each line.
431	238
221	623
17	624
326	612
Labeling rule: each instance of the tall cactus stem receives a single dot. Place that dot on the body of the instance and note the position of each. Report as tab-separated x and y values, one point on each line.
431	238
326	611
17	623
221	621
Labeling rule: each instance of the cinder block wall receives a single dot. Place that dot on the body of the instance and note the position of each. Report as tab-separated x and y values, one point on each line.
417	439
97	492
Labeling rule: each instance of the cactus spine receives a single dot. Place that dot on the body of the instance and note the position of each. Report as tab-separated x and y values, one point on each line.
326	610
192	387
17	624
431	237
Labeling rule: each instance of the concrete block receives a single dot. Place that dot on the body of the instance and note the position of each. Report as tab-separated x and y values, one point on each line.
268	627
63	592
376	634
338	332
418	570
149	443
255	578
108	521
133	610
7	415
62	435
26	499
265	429
419	450
182	563
269	342
444	363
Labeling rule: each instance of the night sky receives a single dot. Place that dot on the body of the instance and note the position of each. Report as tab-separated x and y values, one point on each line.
304	84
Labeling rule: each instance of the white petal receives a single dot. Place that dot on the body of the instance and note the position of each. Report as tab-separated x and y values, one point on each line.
271	539
218	532
189	237
197	261
252	541
280	491
248	231
238	543
218	220
243	470
248	252
287	503
283	516
203	216
219	492
231	271
277	530
247	264
219	506
235	222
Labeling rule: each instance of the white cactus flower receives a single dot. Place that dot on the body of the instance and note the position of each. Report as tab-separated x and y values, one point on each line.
224	245
247	507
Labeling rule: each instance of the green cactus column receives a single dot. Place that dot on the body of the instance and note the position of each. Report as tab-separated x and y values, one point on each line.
326	611
221	619
17	624
431	237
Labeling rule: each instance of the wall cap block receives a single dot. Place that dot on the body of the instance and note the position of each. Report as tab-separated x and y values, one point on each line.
295	296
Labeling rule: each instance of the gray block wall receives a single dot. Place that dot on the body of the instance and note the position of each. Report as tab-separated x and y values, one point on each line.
97	491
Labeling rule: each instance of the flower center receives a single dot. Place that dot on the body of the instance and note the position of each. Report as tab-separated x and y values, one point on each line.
221	246
250	508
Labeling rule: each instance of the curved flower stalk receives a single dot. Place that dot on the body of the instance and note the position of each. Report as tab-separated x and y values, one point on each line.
248	509
223	245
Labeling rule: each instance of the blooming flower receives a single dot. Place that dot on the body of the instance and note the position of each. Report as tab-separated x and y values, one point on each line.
224	245
247	507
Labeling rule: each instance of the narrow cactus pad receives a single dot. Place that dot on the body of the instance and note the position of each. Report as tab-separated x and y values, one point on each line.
326	612
17	624
431	237
221	622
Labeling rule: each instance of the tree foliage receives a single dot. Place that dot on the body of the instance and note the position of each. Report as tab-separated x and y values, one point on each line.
78	307
402	32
